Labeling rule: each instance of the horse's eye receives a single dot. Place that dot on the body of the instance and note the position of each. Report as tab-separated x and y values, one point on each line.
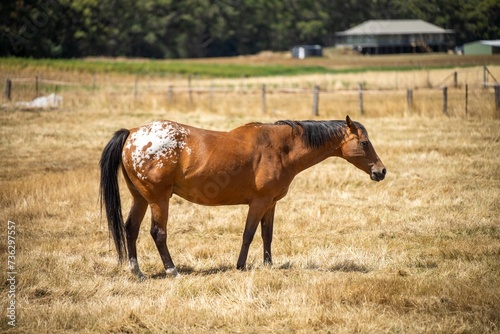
364	144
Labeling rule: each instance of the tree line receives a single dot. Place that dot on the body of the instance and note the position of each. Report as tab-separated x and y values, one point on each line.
209	28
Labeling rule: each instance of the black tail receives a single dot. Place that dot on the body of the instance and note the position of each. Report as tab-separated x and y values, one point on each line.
110	163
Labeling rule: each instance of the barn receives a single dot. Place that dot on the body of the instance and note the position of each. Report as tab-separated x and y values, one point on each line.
482	47
396	36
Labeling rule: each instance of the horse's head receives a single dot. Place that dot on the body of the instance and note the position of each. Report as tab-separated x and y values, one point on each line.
358	150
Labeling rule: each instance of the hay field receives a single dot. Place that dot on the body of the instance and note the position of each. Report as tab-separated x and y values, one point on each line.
416	253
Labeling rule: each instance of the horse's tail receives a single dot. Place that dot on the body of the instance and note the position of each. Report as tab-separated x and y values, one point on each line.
111	160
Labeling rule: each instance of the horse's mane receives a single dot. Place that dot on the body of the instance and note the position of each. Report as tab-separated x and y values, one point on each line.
317	133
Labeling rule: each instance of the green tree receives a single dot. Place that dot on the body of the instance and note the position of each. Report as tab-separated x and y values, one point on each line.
206	28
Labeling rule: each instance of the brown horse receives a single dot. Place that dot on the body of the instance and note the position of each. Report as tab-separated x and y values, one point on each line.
253	164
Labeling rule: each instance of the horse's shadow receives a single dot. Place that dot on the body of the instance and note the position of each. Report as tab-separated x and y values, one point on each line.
343	266
346	266
188	270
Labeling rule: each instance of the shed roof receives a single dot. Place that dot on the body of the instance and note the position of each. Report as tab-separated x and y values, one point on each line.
394	27
494	42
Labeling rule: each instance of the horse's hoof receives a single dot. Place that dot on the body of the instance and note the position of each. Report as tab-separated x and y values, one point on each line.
268	263
142	277
172	272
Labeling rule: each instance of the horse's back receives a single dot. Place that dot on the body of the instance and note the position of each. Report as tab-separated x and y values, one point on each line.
203	166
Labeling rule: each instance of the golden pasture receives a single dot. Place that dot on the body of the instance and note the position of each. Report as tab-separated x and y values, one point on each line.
416	253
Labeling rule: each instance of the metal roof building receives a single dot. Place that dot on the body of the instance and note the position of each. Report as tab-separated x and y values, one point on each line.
396	36
482	47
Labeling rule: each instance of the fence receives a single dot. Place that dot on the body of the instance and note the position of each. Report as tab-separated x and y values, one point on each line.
455	99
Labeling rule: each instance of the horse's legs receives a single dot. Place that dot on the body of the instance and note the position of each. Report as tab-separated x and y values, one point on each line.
134	220
267	233
255	214
159	213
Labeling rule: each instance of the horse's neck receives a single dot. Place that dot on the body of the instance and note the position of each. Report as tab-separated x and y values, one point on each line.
302	157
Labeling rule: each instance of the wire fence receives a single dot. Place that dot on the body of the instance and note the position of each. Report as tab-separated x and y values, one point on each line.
449	96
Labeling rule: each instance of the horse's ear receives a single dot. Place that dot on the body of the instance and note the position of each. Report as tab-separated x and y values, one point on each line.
351	125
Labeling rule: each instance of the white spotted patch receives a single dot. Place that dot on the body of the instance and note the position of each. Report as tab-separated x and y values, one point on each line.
156	141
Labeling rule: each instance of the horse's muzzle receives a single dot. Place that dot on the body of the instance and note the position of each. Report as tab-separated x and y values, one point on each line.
378	174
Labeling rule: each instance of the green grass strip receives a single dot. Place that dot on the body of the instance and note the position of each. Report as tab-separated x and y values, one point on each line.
194	67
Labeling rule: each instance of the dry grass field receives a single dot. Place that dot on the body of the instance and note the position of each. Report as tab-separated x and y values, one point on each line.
416	253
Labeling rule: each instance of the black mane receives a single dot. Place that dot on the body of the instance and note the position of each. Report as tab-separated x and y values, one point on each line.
317	133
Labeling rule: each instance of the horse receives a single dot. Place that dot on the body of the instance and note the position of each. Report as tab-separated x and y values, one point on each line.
252	165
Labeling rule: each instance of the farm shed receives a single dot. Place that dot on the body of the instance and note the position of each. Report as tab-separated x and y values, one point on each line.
482	47
396	36
303	51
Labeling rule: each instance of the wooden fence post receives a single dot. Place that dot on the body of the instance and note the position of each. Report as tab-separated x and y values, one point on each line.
485	76
409	99
360	93
211	95
455	79
315	105
170	95
190	90
445	100
135	87
8	89
497	99
36	86
263	98
466	99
